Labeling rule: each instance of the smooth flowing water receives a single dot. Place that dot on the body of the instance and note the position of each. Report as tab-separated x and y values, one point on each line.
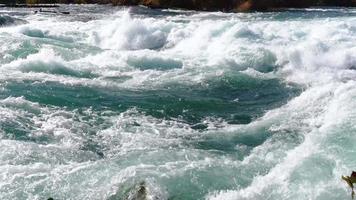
189	105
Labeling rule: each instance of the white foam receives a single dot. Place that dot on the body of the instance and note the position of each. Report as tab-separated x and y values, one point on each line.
317	114
131	34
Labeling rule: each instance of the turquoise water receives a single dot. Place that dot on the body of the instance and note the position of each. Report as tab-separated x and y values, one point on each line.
191	105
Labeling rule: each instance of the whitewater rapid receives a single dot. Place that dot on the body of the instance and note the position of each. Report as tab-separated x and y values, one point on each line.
195	105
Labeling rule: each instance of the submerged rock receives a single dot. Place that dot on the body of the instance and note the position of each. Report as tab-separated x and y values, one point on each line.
140	191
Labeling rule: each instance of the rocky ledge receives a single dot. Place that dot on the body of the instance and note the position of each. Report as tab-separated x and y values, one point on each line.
235	5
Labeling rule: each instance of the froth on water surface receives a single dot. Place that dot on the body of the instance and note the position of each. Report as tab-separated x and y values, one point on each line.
130	103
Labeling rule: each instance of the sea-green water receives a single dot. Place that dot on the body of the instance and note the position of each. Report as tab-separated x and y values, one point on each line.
188	105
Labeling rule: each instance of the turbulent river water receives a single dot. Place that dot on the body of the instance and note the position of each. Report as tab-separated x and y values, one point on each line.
106	101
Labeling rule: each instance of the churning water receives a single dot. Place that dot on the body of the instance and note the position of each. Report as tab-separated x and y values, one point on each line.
192	105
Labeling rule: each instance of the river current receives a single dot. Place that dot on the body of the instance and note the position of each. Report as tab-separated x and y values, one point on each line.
187	105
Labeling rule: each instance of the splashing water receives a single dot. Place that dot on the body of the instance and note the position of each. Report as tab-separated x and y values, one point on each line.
176	104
